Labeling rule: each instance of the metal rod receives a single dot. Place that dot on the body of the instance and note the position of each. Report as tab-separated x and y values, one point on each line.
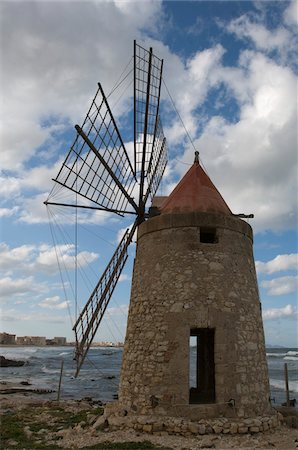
60	380
287	384
119	212
107	167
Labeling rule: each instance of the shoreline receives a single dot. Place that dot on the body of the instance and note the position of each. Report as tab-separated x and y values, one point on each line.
78	424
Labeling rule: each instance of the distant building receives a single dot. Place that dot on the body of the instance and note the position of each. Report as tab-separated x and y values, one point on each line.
31	340
59	340
7	339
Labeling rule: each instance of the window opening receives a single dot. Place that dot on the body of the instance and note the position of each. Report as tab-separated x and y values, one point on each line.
201	366
208	235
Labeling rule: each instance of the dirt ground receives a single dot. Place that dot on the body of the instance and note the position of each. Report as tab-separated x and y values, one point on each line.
29	422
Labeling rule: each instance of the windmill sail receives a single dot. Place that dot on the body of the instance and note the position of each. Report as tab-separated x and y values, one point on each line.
97	166
92	314
147	84
98	169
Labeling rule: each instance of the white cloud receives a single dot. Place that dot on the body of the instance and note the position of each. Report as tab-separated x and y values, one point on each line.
262	38
15	316
288	311
10	287
53	303
281	285
291	14
253	161
124	277
8	212
43	258
278	264
60	69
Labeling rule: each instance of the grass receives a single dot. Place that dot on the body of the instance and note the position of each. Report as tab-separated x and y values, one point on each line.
52	419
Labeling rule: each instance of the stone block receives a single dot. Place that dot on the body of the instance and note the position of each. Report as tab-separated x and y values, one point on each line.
234	428
242	429
193	427
217	429
147	428
254	429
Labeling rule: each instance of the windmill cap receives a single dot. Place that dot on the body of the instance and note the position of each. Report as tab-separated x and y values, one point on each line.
195	192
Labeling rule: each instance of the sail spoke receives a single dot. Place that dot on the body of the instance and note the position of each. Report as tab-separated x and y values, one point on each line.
92	314
97	166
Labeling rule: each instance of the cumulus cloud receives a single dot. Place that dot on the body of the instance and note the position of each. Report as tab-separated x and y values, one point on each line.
281	285
291	14
10	287
15	316
243	27
8	212
60	69
244	158
288	311
43	258
278	264
53	303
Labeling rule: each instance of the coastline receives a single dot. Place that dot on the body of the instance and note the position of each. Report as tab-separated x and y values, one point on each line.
76	424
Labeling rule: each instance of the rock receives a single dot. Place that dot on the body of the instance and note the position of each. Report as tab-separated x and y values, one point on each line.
202	429
217	429
27	432
206	443
10	362
193	427
147	428
100	423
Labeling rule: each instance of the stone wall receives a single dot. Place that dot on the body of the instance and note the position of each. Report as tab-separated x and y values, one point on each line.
178	284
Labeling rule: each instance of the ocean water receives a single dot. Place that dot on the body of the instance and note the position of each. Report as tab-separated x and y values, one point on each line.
99	376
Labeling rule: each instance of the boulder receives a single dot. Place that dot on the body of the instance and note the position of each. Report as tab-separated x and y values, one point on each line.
10	362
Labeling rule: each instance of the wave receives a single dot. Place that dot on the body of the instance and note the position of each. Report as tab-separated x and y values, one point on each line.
44	369
283	355
280	384
291	358
63	353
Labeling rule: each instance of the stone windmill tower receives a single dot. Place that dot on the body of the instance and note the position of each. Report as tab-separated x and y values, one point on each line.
194	279
194	275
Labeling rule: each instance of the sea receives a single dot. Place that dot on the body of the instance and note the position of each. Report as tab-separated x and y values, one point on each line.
99	376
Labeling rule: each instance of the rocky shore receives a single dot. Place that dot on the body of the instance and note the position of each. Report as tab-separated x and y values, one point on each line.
4	362
31	421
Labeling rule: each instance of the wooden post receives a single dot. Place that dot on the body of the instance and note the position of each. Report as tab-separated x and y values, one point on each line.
60	380
287	384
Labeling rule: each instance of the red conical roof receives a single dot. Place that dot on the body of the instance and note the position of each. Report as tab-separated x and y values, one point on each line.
195	192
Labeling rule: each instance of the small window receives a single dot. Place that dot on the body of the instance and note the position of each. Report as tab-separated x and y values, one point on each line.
208	236
201	366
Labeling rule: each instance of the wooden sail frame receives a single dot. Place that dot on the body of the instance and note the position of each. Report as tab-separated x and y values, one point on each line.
97	168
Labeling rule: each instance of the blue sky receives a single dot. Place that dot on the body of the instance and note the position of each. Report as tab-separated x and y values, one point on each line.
231	68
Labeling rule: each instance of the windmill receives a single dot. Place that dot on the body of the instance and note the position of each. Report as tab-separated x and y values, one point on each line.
98	169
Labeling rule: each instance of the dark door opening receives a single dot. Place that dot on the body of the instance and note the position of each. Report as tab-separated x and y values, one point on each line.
201	366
